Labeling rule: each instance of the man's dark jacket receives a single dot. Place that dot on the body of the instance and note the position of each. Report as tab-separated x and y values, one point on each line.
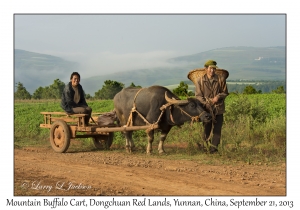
67	98
204	90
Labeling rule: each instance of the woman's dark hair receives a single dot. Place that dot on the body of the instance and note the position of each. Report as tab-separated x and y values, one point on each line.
75	73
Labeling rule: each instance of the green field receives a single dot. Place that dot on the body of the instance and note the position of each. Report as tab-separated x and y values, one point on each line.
254	129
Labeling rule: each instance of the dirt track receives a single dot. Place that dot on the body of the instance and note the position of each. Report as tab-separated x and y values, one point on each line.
41	171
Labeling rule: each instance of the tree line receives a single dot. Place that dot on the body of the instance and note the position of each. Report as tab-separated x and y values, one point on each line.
54	91
110	89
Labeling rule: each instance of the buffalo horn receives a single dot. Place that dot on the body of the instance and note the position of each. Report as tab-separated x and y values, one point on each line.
175	101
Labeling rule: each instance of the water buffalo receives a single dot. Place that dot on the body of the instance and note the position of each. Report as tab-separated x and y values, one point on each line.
155	105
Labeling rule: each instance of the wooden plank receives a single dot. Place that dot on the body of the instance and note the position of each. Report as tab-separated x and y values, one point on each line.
91	135
105	129
50	125
115	129
59	113
53	119
63	113
45	125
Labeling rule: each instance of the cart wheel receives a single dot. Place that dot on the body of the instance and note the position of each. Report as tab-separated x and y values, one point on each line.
103	141
60	136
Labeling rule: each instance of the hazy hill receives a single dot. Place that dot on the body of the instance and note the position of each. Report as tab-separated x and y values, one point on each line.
251	63
243	62
39	70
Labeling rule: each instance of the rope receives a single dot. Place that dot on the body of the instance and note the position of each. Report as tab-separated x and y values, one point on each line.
193	119
136	95
162	108
211	109
130	122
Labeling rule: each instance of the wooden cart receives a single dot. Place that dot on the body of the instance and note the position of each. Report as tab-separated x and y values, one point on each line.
64	127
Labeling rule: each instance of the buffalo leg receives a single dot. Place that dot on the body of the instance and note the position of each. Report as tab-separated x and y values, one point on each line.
163	137
129	142
150	141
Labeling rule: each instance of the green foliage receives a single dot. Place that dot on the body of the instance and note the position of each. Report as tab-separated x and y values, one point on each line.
182	90
266	86
88	96
133	85
238	86
101	105
279	90
38	93
258	106
250	90
254	130
27	119
21	92
53	91
264	142
241	106
57	89
109	90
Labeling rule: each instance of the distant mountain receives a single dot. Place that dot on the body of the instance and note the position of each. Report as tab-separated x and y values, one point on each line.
39	70
244	62
251	63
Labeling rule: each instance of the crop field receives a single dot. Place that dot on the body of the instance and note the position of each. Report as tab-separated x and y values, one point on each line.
254	127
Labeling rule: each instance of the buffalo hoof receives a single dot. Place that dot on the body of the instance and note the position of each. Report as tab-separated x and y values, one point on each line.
130	149
149	152
161	152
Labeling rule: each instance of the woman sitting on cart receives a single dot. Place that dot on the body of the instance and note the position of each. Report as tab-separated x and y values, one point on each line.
73	100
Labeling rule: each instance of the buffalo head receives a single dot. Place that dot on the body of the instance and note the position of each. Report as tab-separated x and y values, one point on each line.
190	107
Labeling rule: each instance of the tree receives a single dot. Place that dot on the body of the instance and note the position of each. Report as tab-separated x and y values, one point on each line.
133	85
279	90
87	96
38	93
109	89
53	91
250	90
56	89
182	90
21	92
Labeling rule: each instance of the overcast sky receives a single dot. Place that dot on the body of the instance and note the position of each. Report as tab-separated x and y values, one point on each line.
110	43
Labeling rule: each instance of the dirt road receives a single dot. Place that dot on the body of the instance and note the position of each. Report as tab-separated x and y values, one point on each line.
41	171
